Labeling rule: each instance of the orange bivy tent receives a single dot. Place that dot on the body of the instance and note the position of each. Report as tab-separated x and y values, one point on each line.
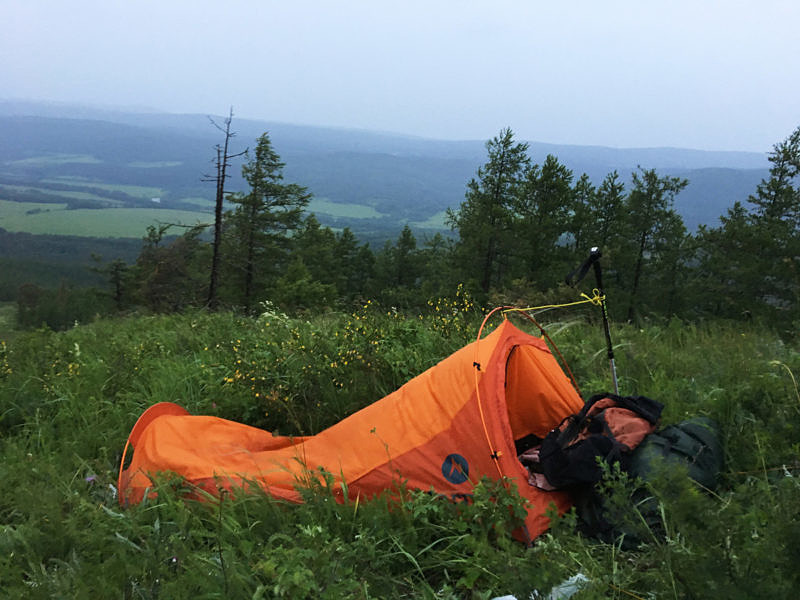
442	432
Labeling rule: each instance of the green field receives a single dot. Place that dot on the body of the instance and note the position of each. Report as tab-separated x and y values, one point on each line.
139	164
138	191
201	202
12	212
341	209
436	221
59	193
54	219
72	179
56	159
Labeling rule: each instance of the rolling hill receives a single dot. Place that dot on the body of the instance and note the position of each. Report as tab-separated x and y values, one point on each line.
88	159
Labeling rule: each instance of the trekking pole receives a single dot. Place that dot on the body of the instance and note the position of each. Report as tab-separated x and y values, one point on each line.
594	261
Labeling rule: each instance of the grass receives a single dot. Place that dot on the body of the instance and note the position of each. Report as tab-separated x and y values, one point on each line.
55	219
342	209
8	312
68	401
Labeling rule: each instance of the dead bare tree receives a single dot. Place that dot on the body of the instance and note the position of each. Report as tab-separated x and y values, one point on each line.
222	163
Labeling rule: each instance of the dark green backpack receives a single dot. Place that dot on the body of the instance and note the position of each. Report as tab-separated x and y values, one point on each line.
693	443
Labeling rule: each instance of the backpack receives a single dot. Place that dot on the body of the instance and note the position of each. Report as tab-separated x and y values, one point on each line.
693	443
608	428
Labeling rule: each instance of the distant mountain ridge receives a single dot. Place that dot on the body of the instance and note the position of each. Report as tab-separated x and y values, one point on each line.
403	179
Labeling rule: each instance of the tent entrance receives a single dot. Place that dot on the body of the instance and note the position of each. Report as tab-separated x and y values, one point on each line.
537	394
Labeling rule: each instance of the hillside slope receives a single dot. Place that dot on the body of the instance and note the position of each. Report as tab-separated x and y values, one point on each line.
395	179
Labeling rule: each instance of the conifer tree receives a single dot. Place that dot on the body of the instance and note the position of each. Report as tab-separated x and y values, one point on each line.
606	210
653	226
485	219
169	276
544	205
750	265
316	246
776	219
581	226
258	228
398	270
356	263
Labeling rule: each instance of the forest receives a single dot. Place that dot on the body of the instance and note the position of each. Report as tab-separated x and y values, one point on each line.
520	229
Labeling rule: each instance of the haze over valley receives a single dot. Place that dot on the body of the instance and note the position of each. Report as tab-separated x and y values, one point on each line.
87	159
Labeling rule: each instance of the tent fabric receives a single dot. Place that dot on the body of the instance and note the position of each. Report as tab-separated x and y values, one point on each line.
441	432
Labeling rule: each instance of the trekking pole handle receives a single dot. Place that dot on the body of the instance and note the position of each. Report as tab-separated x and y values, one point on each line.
594	257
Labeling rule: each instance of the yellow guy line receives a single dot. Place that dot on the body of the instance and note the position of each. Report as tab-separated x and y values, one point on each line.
595	299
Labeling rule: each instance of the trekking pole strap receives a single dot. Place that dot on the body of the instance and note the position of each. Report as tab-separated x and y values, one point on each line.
579	273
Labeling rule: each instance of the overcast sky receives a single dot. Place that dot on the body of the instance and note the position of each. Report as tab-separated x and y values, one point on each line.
697	74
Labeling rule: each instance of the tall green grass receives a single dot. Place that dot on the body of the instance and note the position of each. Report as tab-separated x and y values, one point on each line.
68	401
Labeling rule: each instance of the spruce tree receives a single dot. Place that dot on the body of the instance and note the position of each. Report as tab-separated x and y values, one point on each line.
258	229
653	227
485	219
545	206
750	265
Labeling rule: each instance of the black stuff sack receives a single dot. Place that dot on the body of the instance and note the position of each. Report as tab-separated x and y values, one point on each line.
607	429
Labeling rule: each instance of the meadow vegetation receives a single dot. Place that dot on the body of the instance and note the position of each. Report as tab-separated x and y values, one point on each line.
68	400
704	323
